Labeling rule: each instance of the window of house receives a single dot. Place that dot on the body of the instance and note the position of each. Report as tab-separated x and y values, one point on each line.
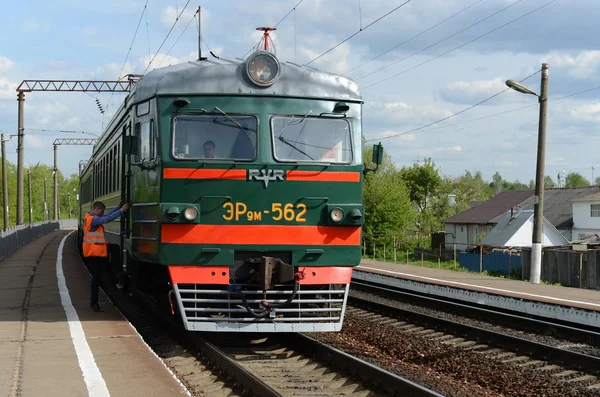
595	210
462	229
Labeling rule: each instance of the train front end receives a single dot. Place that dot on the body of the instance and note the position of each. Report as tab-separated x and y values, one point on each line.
260	196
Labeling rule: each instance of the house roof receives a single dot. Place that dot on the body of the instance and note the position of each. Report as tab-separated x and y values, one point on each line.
590	197
516	231
558	203
495	207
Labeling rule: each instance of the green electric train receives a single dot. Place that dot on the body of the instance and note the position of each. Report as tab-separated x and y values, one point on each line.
245	182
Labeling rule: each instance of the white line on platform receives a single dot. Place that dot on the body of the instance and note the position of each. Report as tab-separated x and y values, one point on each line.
478	286
91	374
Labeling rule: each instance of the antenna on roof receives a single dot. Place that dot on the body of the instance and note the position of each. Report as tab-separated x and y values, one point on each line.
266	39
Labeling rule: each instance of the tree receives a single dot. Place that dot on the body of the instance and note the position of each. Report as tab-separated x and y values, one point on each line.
388	209
422	181
575	179
497	183
597	181
548	182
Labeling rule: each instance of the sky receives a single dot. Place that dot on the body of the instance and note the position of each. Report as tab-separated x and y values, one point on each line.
425	61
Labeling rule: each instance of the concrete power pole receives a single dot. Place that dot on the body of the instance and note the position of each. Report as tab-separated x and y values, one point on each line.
538	207
55	182
46	217
21	100
4	183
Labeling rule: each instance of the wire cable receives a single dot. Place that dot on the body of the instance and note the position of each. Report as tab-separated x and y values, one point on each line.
126	56
63	131
418	35
452	115
360	30
167	36
462	45
182	32
505	111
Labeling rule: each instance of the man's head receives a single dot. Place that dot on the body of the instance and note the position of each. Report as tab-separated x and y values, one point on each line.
98	208
209	150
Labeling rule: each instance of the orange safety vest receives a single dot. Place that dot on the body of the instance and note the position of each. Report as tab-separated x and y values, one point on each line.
94	243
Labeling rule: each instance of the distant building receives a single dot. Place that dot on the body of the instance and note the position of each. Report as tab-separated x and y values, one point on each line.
574	212
515	229
586	216
469	227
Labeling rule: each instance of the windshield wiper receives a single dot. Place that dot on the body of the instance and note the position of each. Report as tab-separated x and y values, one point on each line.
292	119
225	124
282	139
235	122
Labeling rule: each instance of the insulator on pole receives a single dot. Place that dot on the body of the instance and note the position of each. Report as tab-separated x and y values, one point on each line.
99	106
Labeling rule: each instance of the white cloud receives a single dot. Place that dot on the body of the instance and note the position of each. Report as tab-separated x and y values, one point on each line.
7	89
169	14
583	65
336	61
33	141
5	64
589	112
163	60
472	91
402	137
402	111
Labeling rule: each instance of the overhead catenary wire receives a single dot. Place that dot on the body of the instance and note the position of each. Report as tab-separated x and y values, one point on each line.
167	36
462	45
452	115
360	31
124	61
418	35
63	131
177	40
421	129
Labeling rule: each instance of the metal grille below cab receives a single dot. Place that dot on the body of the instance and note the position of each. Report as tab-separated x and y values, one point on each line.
315	308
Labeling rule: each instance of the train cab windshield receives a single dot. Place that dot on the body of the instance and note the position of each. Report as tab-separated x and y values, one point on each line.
219	137
312	139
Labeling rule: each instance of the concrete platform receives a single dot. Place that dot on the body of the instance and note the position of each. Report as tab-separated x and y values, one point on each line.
570	304
44	354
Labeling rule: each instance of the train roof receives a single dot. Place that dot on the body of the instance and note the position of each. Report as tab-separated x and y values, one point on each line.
209	77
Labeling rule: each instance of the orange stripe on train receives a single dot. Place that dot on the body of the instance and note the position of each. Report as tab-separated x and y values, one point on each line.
203	173
229	174
260	235
318	176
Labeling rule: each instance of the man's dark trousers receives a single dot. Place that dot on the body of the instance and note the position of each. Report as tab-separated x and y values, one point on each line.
95	264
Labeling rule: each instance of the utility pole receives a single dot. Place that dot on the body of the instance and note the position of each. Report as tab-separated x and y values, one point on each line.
55	173
21	100
29	172
4	183
593	182
538	207
29	195
46	217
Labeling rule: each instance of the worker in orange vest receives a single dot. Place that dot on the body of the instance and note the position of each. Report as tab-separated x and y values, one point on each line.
95	245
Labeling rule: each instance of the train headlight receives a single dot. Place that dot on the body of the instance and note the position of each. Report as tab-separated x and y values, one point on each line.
337	214
190	213
262	68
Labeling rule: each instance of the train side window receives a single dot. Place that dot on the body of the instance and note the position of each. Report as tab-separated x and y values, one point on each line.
146	139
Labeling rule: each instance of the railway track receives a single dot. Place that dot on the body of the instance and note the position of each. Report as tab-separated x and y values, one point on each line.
560	329
236	365
562	361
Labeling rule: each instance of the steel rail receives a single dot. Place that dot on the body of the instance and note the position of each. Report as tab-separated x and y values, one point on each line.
380	378
568	359
557	329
